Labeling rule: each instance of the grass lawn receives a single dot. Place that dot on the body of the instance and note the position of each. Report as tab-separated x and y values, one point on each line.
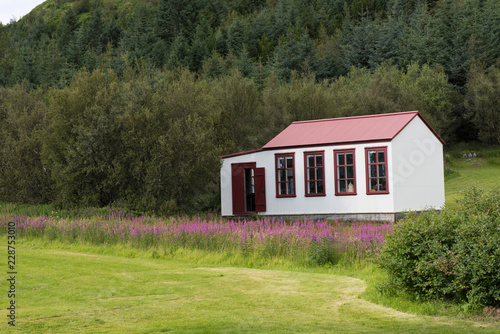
483	171
65	290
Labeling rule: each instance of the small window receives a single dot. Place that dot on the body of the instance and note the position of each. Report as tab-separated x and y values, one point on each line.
345	172
285	175
314	173
376	171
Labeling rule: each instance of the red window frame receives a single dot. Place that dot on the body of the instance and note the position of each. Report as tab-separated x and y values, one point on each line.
319	183
288	184
341	173
377	180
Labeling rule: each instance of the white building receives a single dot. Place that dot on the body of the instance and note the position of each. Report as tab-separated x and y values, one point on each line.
358	168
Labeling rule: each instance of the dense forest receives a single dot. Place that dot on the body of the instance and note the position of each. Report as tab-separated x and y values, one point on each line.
131	103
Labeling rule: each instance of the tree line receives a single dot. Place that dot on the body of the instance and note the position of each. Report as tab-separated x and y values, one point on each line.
151	140
131	103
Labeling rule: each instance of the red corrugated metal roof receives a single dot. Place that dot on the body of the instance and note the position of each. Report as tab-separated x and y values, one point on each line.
369	128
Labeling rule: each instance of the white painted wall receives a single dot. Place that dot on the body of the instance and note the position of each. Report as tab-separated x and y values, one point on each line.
329	204
418	172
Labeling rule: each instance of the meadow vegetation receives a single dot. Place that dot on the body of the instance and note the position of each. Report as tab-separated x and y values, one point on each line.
437	268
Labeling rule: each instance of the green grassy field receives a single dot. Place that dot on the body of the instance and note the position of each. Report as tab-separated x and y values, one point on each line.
67	289
484	170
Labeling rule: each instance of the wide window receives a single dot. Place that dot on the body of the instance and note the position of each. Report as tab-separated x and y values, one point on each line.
285	175
345	172
314	173
376	170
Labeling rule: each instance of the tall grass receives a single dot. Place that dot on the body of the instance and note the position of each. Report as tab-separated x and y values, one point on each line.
306	241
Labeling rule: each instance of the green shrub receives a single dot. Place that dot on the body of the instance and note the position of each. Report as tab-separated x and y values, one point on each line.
453	254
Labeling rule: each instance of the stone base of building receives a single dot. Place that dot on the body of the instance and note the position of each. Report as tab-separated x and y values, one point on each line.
367	217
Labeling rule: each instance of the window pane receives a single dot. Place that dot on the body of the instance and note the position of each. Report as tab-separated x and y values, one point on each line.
350	172
341	185
289	162
310	160
371	157
373	184
289	174
282	188
289	186
281	175
373	170
383	184
381	170
381	157
310	173
340	159
281	162
350	186
319	160
349	160
341	172
319	173
320	186
311	187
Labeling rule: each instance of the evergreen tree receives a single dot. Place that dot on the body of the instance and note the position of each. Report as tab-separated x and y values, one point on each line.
179	54
199	49
357	42
418	43
488	32
95	32
77	48
455	27
174	17
65	31
236	37
292	53
213	67
25	67
221	42
139	38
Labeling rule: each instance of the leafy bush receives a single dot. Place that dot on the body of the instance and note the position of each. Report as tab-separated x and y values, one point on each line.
453	254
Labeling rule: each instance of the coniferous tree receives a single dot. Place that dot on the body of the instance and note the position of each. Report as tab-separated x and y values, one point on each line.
236	37
455	27
77	48
65	31
357	42
221	42
179	54
26	67
292	52
174	17
199	49
488	33
95	32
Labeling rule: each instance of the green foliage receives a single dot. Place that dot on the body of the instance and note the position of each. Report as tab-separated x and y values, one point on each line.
453	254
322	253
483	101
23	120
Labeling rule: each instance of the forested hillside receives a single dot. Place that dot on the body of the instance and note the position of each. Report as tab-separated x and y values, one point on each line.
132	102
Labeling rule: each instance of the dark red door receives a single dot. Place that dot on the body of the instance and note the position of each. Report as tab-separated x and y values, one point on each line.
260	189
248	188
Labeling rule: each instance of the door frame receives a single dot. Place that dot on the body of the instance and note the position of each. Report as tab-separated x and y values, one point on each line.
238	188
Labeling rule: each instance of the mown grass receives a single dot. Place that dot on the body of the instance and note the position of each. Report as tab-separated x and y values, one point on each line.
483	170
83	288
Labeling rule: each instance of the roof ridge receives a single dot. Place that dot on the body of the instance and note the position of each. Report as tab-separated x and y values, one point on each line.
359	116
